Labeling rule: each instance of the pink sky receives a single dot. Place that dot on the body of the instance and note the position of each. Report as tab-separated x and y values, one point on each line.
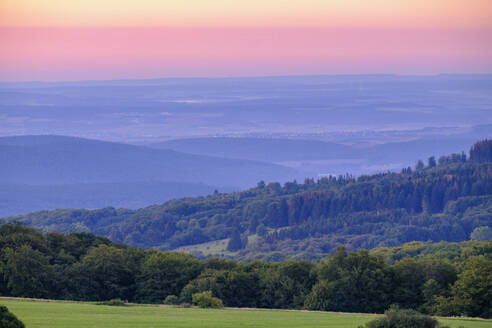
42	43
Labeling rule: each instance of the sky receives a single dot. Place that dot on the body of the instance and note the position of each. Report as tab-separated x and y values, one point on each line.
122	39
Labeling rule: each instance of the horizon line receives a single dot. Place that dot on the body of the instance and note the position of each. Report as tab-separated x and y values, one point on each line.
224	77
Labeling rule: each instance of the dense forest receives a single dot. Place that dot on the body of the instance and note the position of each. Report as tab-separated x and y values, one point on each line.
438	278
443	199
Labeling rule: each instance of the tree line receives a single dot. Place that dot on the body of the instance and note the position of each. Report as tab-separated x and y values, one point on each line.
444	278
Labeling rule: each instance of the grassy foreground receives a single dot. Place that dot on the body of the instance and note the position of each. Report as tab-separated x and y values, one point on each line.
39	314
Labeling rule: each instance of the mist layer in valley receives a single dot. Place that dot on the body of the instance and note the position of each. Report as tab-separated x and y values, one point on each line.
142	142
315	106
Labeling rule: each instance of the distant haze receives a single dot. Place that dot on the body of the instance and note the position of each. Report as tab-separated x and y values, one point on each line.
190	136
302	106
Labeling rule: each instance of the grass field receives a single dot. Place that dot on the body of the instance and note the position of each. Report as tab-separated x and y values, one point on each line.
216	247
39	314
212	248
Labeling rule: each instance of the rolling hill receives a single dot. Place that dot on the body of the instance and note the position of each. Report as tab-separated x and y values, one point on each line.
261	149
62	160
76	172
316	157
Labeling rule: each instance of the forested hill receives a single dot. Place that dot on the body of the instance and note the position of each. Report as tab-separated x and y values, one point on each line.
447	199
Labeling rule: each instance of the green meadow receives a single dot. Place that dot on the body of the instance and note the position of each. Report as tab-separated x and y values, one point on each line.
59	314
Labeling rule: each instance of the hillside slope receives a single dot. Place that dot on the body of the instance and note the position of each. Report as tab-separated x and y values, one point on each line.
315	157
63	160
22	198
50	172
261	149
443	202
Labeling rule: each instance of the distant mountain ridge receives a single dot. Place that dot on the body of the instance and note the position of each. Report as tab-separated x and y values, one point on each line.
262	149
49	172
314	157
62	160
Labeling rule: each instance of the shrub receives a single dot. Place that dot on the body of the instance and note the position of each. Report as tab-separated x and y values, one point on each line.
8	319
113	302
395	318
171	300
206	300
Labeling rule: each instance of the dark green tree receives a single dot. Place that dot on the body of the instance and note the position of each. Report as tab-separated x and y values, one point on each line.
431	162
419	166
27	272
235	243
481	152
105	273
8	319
472	292
355	282
409	281
164	274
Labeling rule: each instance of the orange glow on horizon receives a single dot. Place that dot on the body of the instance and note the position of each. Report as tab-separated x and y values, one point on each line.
265	13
